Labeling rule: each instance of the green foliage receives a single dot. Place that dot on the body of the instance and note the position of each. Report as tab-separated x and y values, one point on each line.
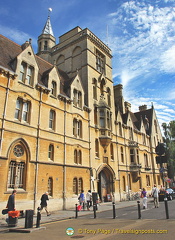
169	140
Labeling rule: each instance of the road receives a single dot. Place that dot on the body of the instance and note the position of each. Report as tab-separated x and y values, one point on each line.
153	225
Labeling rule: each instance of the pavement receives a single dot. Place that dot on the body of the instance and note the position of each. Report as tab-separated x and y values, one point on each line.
61	215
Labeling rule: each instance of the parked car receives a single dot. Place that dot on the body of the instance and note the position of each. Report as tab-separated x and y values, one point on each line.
167	193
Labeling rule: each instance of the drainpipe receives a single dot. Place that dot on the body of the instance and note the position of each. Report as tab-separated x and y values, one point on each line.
90	163
64	164
4	113
37	153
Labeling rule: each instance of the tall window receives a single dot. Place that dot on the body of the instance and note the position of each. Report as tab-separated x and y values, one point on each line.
45	45
109	97
22	111
95	89
51	152
16	174
95	116
96	148
146	159
26	73
52	119
120	128
138	160
77	156
100	61
77	98
75	186
147	180
122	155
132	155
80	185
77	128
112	151
102	119
50	186
54	88
124	184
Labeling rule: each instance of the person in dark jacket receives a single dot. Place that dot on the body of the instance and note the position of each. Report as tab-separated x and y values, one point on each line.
43	203
11	201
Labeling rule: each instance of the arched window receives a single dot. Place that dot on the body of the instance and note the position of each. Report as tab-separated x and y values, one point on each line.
51	152
96	148
75	185
124	184
75	156
50	186
17	167
80	185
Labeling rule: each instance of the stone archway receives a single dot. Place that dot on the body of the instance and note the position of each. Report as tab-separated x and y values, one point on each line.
106	184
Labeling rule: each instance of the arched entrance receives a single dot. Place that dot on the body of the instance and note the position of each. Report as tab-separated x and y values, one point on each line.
106	184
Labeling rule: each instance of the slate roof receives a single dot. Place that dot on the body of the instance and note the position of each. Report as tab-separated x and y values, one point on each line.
9	50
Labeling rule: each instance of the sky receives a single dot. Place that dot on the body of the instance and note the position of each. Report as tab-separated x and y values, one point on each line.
140	33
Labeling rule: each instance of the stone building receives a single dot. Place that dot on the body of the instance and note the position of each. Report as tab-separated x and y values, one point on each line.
65	127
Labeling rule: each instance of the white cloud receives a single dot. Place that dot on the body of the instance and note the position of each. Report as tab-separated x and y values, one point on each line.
167	60
15	35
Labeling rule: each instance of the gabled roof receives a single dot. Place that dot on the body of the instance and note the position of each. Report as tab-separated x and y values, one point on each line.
9	51
138	117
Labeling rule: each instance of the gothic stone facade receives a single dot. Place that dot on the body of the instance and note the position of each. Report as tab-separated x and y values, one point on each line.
64	127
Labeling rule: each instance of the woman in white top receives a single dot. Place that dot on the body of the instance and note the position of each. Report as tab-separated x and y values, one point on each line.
89	199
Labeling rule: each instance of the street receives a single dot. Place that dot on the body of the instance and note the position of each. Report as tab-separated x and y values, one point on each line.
126	225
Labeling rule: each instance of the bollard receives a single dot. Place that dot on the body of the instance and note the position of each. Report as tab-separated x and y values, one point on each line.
114	215
38	219
139	211
76	210
94	208
166	208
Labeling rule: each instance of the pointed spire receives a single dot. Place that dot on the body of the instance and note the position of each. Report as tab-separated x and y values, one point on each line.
48	28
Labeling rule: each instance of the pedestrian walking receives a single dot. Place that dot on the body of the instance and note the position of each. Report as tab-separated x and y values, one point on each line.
44	199
155	194
144	196
11	201
82	199
89	199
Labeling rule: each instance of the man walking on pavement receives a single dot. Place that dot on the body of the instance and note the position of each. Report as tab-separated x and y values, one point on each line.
11	201
155	194
43	203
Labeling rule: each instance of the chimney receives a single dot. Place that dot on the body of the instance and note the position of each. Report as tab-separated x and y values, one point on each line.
25	45
127	106
143	108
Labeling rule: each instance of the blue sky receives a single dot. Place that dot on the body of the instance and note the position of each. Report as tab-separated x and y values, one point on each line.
140	33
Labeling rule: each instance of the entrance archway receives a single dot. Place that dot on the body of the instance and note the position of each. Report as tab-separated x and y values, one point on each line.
106	184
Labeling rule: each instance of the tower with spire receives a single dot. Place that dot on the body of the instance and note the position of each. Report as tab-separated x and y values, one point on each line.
46	40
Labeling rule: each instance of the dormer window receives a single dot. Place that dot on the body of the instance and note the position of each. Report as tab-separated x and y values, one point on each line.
54	88
26	74
77	98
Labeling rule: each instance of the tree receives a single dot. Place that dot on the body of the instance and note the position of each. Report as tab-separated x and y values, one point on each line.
169	140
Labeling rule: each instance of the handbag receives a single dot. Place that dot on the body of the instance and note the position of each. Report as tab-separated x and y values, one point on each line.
4	211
